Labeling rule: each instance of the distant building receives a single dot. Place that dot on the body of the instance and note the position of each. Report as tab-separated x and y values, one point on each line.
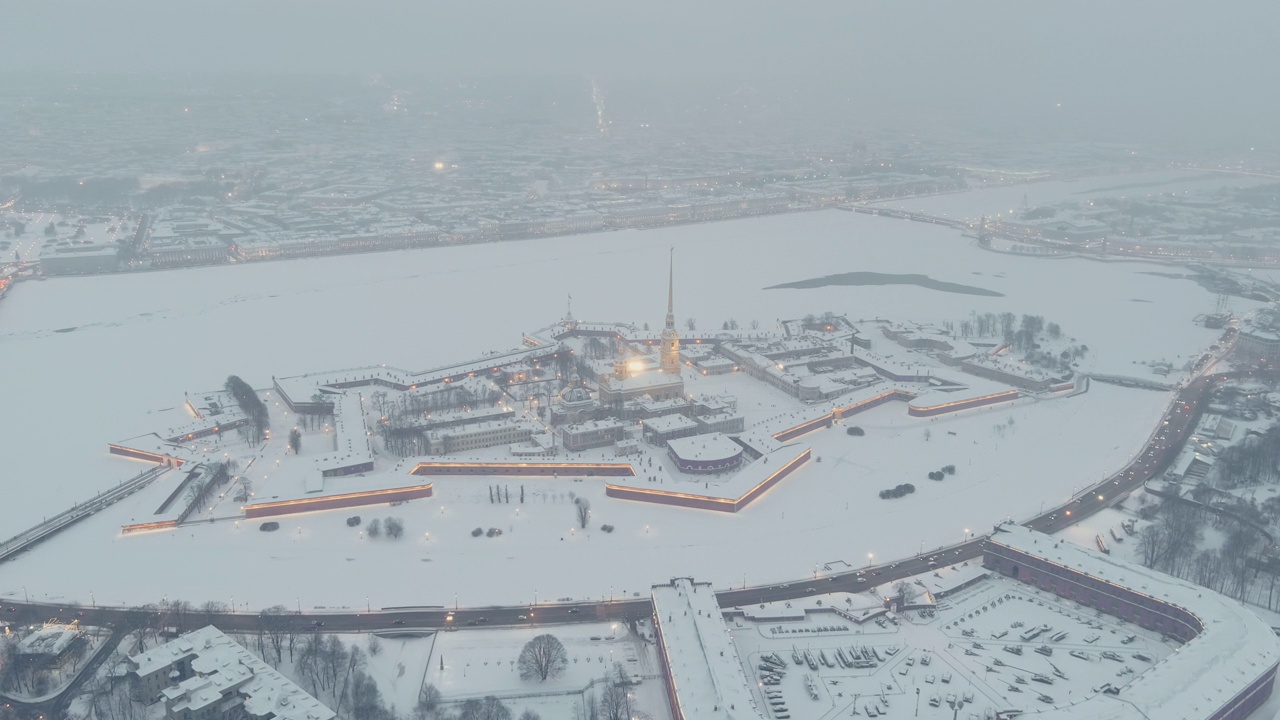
1225	665
721	422
187	251
79	259
661	429
593	434
478	436
574	405
1259	346
702	454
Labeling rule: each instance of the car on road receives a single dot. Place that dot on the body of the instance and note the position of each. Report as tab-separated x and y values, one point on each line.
317	624
810	589
397	622
573	611
522	617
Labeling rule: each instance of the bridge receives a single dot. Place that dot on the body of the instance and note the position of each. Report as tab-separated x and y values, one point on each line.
909	215
1132	382
76	513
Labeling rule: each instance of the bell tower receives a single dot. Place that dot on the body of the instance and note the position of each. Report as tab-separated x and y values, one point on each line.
670	359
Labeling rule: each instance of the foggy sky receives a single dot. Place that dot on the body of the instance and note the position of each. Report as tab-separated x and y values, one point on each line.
1167	68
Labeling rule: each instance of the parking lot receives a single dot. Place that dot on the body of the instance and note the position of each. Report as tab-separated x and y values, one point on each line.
996	645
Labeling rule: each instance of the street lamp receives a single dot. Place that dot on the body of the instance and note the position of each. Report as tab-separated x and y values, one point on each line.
869	557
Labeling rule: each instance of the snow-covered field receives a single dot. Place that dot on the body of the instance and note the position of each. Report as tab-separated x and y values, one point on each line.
92	360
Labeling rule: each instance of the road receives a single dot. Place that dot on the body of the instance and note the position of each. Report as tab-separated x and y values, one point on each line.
1160	451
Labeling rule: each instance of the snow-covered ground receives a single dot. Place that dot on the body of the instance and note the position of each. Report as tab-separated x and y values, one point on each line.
959	652
92	360
473	663
827	514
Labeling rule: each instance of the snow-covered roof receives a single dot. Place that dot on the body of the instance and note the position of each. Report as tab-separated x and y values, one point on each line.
351	435
1233	650
708	447
222	666
643	381
669	423
49	640
593	425
706	675
752	478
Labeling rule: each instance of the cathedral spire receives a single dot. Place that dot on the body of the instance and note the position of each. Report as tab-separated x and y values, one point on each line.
671	274
670	352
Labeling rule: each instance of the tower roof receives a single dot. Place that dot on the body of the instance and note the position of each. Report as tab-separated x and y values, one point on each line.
671	283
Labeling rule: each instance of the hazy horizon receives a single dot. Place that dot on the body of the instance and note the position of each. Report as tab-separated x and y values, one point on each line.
1091	70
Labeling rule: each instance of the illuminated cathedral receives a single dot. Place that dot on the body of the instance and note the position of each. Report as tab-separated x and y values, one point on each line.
627	384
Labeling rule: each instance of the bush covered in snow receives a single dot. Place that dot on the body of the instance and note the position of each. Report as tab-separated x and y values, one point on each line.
897	492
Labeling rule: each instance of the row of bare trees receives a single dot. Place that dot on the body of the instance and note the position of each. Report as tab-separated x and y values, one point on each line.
247	398
1251	462
1172	544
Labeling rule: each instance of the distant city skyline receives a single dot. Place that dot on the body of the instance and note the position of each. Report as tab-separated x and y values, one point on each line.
1091	69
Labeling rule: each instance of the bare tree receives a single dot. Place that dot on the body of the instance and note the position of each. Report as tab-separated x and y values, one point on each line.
583	509
542	657
530	715
904	592
211	610
375	646
1152	542
366	699
615	704
375	528
394	527
1184	530
491	708
273	630
428	703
